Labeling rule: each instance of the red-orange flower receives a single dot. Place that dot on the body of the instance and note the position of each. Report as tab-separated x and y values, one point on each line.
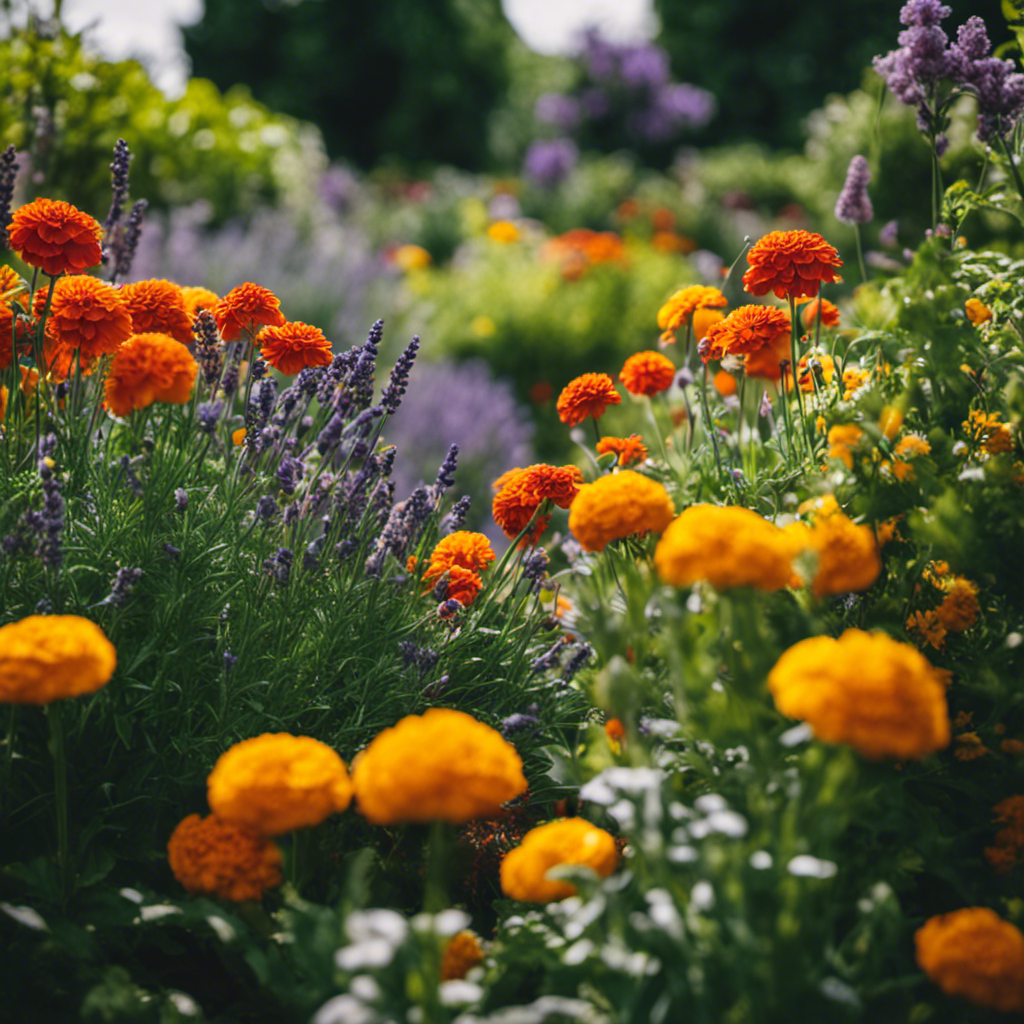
463	548
158	306
7	328
149	368
829	314
681	306
750	328
463	585
246	308
197	299
790	263
714	342
89	315
587	395
520	493
294	346
55	236
647	373
629	449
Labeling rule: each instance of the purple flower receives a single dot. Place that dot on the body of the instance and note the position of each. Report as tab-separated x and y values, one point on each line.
8	172
445	473
122	585
208	414
559	110
549	161
579	658
119	188
266	509
519	722
888	235
180	500
125	242
391	396
854	205
643	67
998	87
280	566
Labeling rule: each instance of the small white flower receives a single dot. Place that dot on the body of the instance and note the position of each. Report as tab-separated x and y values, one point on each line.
806	866
702	896
221	928
972	473
131	894
959	448
376	924
459	992
25	915
1013	640
184	1004
344	1010
156	912
365	955
797	735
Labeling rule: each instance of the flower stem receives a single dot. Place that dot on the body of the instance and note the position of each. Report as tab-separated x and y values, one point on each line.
60	793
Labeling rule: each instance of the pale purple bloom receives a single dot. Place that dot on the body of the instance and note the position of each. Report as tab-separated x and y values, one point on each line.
559	110
122	585
8	173
549	161
854	205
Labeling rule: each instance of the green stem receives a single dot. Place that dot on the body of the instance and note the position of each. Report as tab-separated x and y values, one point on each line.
1014	170
860	264
60	793
5	781
709	427
435	895
793	332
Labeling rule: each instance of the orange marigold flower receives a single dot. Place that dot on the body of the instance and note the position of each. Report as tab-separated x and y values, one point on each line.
806	374
703	320
1013	748
9	324
847	555
617	506
725	383
463	585
89	315
513	508
520	493
503	231
443	765
149	368
988	432
462	953
766	363
714	342
977	312
854	378
683	304
842	439
975	954
218	858
463	548
968	746
959	608
278	782
726	545
630	450
49	657
410	258
294	346
927	628
567	841
647	373
614	729
55	236
246	308
878	696
829	314
749	328
790	263
197	299
158	306
587	395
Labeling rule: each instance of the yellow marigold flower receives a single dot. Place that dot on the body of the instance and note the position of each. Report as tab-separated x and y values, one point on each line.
149	368
503	231
618	506
647	373
629	450
587	395
197	299
726	545
977	312
443	765
927	628
886	530
822	506
890	421
959	608
277	782
567	841
878	696
975	954
847	555
854	378
48	657
703	321
462	953
910	446
842	439
464	548
208	855
683	306
988	432
806	375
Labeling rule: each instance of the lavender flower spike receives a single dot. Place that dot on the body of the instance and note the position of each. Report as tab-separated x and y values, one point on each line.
119	183
399	381
8	172
853	205
124	254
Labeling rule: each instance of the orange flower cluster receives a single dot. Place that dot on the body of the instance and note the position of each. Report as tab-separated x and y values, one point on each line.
977	312
215	857
805	375
520	493
245	309
158	306
149	368
294	346
647	373
854	378
1005	855
580	249
443	765
751	328
618	506
197	299
568	841
975	954
629	450
988	432
925	626
44	658
909	447
88	315
462	953
55	236
878	696
790	263
587	395
278	782
463	555
681	306
829	314
847	554
842	439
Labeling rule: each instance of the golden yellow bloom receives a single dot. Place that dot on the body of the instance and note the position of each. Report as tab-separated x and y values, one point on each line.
842	439
908	447
877	695
208	855
684	305
411	258
959	608
988	432
503	231
890	421
567	841
977	312
442	765
854	378
48	657
847	555
974	953
822	506
277	782
462	953
618	506
726	545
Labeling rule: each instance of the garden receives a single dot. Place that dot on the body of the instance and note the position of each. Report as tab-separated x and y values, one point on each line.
541	544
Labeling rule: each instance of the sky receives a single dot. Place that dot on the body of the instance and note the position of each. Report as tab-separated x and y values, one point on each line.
147	29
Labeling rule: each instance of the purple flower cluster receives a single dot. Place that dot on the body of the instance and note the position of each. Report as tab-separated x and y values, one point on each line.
854	205
8	173
548	161
926	58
